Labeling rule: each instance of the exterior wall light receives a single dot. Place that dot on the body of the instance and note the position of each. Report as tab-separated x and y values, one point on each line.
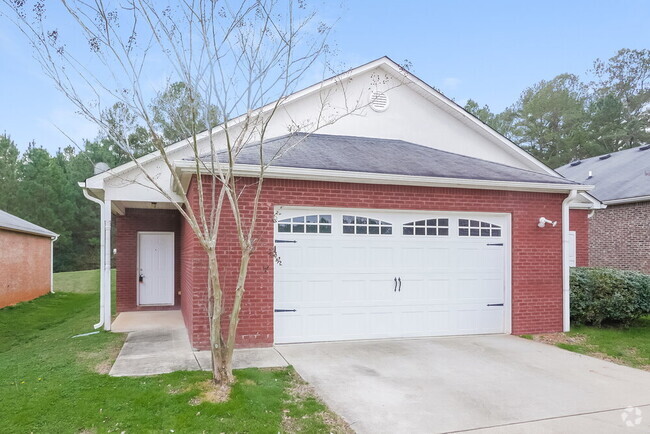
543	221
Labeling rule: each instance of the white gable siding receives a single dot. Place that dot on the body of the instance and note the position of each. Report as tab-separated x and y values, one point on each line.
411	116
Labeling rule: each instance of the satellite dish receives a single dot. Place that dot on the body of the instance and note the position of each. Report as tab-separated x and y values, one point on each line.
101	168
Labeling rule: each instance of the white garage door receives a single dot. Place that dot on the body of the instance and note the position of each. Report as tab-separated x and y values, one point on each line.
364	274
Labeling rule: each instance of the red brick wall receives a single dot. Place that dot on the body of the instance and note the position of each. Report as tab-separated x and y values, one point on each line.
25	267
126	261
579	222
536	252
619	237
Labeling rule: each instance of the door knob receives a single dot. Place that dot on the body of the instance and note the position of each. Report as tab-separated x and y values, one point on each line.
141	278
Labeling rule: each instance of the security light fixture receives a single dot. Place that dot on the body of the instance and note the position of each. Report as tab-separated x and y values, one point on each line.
543	221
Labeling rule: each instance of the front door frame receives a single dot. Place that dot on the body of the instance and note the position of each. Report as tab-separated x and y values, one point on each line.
173	268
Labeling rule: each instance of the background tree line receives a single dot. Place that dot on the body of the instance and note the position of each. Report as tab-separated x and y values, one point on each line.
42	188
566	118
557	120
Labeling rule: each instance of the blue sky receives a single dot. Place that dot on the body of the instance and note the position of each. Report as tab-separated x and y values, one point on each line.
485	50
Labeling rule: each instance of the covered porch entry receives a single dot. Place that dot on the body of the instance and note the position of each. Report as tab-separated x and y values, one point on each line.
147	259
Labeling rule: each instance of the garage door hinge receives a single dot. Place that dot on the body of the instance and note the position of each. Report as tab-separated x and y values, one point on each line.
284	310
495	244
286	241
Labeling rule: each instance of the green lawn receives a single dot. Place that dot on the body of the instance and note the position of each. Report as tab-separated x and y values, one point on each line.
50	382
627	346
79	281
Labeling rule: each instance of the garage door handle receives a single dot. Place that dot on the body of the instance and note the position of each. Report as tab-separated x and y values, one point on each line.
286	241
399	279
495	244
284	310
395	289
496	304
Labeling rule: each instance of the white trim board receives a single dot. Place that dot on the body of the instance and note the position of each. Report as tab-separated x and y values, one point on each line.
185	170
407	78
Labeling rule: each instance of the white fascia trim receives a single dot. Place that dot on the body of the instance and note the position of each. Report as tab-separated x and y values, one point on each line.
253	171
97	181
587	202
627	200
473	121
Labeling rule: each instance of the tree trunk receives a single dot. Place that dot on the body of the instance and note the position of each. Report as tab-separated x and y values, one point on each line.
236	307
221	363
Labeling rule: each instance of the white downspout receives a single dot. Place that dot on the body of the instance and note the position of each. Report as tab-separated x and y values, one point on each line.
107	265
566	290
52	240
102	275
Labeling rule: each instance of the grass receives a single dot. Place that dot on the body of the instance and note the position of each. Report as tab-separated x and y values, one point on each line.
81	282
50	382
627	346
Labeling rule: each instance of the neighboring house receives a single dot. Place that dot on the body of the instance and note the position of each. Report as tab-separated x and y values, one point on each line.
411	218
25	260
619	235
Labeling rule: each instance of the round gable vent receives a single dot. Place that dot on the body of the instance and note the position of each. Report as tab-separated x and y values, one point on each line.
378	101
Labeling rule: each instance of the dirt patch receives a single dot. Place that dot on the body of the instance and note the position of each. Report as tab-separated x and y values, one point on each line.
632	358
560	338
104	367
603	356
102	361
300	391
211	393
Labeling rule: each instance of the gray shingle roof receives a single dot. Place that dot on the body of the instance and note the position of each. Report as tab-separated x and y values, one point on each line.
625	174
382	156
13	223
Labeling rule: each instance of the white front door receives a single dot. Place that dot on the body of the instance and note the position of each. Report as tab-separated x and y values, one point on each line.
155	268
364	274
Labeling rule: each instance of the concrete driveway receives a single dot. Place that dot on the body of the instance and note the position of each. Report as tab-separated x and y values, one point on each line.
485	383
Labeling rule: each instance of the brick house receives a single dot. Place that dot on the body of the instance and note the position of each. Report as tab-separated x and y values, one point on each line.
411	218
25	260
618	235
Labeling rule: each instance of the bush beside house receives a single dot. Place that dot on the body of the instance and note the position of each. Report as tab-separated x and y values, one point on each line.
608	295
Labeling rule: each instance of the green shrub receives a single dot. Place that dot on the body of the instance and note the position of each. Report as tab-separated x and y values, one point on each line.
607	295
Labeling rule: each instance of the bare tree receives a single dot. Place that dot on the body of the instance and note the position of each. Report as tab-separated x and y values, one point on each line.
245	59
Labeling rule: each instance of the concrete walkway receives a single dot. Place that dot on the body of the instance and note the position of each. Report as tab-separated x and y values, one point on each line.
493	384
158	343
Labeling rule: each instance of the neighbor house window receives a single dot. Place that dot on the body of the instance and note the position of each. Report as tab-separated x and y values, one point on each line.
476	228
365	225
433	227
307	224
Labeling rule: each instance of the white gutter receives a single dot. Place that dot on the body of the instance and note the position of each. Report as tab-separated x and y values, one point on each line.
52	240
101	254
627	200
566	290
